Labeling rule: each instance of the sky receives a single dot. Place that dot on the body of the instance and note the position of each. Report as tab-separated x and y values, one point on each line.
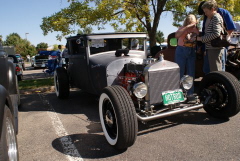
24	17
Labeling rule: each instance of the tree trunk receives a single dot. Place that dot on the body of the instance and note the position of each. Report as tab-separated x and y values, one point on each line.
153	30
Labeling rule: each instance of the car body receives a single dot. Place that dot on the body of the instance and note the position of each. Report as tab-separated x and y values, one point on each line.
41	59
9	102
134	87
20	61
18	66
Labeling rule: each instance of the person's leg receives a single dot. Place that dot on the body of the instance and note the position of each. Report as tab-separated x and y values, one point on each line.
191	67
206	67
215	59
180	59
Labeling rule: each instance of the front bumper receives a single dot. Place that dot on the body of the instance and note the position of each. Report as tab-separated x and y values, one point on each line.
170	112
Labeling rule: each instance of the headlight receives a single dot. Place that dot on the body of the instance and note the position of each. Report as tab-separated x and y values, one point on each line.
140	90
187	82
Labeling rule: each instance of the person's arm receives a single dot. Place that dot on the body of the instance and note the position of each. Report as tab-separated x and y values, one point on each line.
227	18
183	29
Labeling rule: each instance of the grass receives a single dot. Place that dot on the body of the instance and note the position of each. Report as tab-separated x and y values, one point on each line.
33	84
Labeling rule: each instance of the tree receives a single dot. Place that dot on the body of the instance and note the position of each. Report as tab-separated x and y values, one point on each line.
22	46
136	15
42	46
12	39
86	30
55	47
160	37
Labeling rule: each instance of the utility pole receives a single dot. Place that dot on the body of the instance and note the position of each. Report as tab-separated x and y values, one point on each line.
26	35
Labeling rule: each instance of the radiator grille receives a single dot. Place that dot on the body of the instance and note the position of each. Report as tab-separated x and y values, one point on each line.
160	81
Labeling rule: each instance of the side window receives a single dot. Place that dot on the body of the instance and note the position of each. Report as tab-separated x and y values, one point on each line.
77	48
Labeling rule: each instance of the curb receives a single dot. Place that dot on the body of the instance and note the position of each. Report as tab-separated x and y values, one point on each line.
37	90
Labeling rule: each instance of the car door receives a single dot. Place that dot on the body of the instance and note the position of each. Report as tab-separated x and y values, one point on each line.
78	64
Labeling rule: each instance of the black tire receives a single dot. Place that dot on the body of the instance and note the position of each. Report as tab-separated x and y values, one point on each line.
118	117
61	83
225	91
8	142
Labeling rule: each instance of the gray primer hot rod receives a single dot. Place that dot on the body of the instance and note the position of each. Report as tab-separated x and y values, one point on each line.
133	87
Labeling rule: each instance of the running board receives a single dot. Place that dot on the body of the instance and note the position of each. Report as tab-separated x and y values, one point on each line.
170	113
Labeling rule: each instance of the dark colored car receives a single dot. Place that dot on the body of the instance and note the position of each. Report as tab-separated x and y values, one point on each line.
20	61
18	66
133	87
9	102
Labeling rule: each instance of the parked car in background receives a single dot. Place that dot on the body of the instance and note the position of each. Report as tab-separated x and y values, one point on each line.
9	102
32	60
20	61
41	59
134	87
18	66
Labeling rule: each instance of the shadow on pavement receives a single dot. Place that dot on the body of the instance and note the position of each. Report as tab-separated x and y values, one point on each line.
90	146
191	117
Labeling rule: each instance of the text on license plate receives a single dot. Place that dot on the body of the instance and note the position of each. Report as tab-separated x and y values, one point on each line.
171	97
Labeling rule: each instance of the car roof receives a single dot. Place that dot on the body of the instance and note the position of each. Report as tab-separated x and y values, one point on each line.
111	35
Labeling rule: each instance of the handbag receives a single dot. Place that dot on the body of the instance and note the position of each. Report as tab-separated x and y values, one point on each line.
222	40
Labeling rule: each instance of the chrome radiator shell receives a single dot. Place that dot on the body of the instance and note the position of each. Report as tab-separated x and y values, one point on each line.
161	76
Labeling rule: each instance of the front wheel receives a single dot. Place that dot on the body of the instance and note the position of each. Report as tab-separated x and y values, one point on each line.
61	83
8	142
220	93
118	117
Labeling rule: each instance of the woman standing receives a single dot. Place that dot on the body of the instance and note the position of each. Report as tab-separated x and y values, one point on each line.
185	55
213	29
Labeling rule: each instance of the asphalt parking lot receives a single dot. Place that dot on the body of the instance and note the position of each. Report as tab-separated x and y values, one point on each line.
68	130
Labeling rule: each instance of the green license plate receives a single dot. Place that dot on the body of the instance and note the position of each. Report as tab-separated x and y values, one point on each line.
172	97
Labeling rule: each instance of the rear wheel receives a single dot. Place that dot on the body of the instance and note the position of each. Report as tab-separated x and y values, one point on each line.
118	117
61	83
220	92
8	142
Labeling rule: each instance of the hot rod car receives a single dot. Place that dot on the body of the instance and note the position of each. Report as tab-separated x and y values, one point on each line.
9	102
134	87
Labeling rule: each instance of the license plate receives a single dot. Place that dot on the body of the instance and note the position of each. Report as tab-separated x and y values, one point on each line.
172	97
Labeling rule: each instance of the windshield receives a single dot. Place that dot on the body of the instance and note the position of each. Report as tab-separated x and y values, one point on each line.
104	45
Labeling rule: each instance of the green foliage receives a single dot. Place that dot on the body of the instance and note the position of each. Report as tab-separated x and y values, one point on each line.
33	84
42	46
160	37
22	46
12	40
86	30
135	15
55	47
